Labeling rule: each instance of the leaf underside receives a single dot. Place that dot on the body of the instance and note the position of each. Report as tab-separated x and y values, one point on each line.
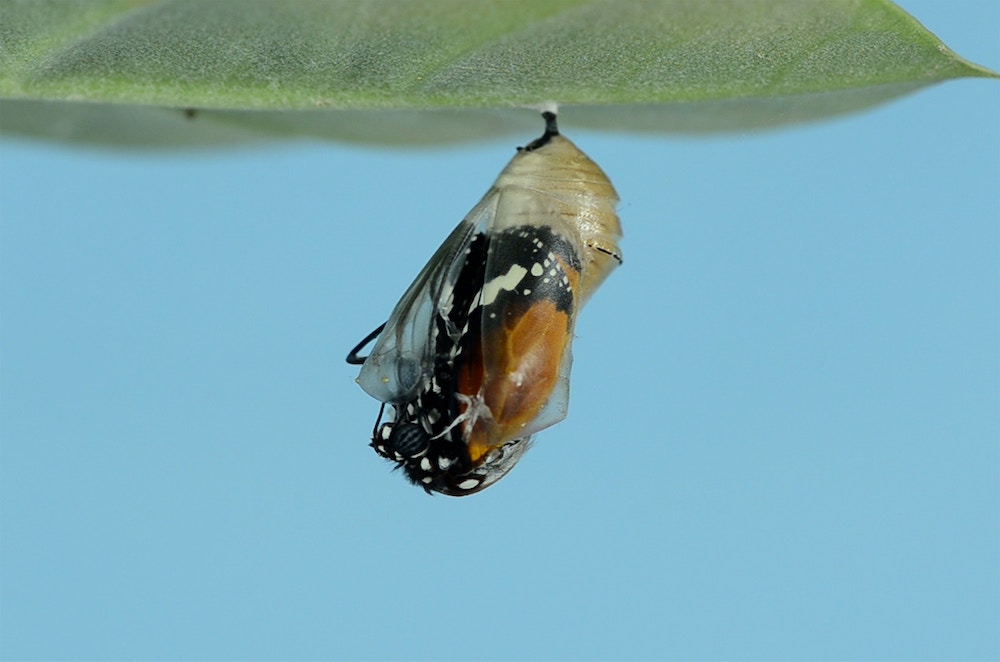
128	72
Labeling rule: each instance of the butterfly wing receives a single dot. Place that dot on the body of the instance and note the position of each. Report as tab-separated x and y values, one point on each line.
516	382
402	361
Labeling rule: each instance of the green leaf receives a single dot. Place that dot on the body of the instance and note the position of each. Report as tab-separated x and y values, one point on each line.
257	69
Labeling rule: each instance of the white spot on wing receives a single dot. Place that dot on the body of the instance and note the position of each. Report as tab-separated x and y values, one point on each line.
508	282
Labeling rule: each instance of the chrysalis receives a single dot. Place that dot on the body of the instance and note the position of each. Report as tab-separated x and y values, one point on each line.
475	357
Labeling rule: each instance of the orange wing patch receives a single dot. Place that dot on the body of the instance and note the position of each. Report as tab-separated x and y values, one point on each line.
520	373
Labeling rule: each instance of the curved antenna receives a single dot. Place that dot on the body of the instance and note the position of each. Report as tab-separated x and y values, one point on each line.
352	356
381	410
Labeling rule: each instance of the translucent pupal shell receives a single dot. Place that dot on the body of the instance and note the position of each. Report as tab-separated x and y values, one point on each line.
476	356
553	185
558	185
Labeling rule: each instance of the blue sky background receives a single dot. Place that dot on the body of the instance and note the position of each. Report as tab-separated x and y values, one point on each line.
782	442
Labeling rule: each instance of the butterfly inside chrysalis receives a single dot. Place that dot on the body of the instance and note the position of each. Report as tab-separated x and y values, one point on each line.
475	358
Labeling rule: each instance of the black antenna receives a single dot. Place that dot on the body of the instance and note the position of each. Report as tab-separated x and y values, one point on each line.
551	129
352	356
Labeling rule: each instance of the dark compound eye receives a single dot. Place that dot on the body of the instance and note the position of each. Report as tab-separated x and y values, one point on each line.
409	440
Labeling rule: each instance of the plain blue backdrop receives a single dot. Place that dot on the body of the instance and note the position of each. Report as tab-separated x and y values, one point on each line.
782	443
